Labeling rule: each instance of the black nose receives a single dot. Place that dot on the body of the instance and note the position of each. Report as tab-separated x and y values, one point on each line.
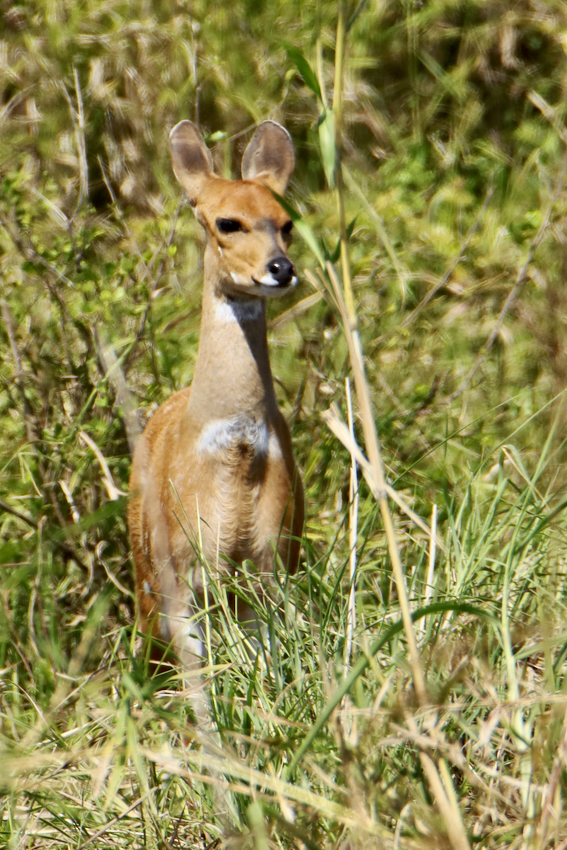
282	270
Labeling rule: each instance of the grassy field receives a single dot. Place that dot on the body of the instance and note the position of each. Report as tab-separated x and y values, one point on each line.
408	687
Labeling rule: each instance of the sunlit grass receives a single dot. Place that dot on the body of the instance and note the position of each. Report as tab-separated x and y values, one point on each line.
452	152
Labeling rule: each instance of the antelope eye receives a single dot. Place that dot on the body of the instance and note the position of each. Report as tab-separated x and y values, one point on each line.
228	225
286	229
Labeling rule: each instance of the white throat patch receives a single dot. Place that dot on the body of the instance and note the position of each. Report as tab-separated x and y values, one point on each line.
238	311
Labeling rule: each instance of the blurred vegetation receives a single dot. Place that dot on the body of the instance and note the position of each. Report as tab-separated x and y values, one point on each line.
453	152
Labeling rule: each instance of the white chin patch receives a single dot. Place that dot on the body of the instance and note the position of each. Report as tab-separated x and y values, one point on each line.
270	286
268	280
266	285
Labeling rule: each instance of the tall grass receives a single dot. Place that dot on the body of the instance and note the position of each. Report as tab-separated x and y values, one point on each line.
406	688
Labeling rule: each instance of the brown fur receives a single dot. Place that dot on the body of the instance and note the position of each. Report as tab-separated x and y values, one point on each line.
214	467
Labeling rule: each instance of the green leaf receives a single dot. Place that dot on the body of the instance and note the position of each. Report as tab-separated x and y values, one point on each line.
304	69
303	229
337	252
328	146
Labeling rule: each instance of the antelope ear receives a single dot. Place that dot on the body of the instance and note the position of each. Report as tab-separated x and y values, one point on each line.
269	158
191	158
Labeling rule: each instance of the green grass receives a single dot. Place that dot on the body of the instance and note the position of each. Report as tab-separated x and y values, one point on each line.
451	223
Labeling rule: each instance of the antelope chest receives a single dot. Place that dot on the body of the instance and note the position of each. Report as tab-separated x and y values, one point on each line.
235	440
233	462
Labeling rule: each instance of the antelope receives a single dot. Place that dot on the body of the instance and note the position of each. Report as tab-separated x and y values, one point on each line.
213	476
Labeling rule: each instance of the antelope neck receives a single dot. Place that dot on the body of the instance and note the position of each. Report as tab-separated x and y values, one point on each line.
232	373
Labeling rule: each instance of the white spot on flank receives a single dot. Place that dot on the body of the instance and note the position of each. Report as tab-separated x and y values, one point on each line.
147	588
222	434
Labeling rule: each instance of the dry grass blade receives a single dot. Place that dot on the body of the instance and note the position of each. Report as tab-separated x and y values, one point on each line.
445	797
103	830
334	422
431	561
550	811
297	310
375	459
444	794
255	779
353	532
113	492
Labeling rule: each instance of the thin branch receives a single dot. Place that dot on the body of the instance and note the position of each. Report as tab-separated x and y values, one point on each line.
443	790
297	310
4	506
345	300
